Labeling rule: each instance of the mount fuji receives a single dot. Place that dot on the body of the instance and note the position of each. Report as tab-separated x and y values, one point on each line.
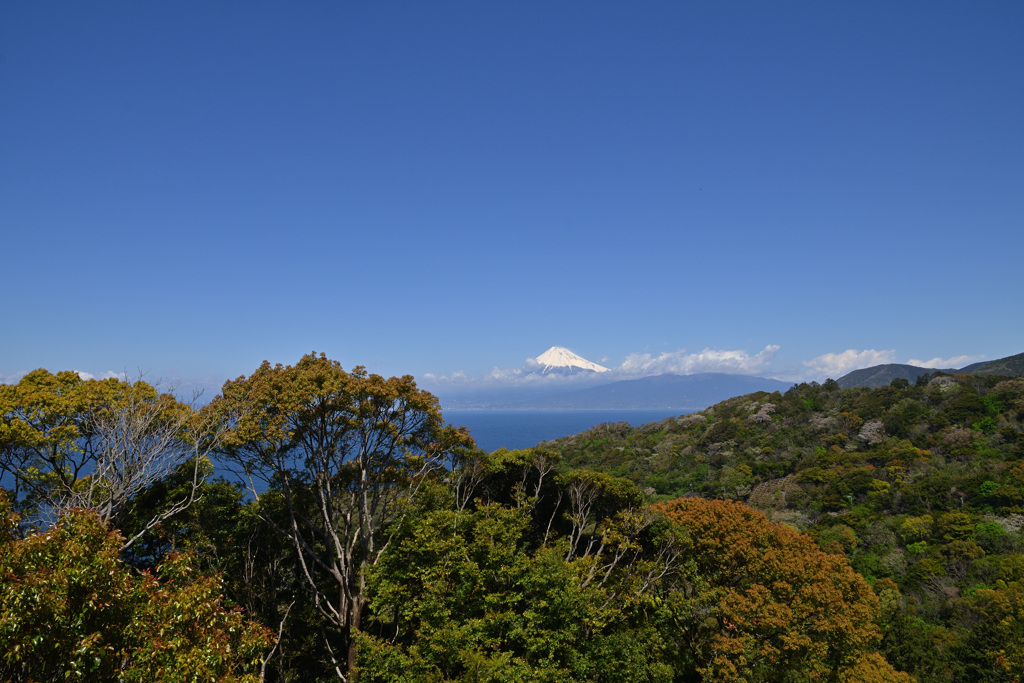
560	360
559	379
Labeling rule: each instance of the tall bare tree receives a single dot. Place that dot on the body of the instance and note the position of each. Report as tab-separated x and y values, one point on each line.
345	452
66	442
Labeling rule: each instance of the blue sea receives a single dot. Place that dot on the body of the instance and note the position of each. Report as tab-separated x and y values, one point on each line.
512	429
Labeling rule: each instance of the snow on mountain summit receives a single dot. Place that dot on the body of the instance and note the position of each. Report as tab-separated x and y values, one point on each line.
559	358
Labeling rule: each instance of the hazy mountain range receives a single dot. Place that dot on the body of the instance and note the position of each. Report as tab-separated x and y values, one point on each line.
589	386
660	392
593	391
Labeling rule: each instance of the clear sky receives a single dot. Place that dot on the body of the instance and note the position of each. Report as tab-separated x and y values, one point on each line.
434	188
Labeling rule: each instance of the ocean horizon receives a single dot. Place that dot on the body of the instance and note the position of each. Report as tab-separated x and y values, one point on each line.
515	429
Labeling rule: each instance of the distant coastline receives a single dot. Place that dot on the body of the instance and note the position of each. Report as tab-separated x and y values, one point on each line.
524	428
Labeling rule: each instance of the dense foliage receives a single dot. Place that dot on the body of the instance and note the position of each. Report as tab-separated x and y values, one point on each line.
772	605
576	579
920	486
376	544
66	442
341	455
70	609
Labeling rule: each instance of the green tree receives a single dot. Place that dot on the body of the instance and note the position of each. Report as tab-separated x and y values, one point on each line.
1001	611
67	442
342	454
70	609
464	597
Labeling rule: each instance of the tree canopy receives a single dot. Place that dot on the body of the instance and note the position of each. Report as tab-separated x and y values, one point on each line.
343	453
765	602
920	488
376	543
66	442
70	608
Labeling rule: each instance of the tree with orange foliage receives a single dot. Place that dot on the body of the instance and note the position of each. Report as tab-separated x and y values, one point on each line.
764	603
70	609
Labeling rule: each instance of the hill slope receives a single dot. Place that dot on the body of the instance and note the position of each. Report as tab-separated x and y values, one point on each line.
882	375
922	488
1011	366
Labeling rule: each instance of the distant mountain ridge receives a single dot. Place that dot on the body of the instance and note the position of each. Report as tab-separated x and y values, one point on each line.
882	375
1011	366
658	392
666	391
669	392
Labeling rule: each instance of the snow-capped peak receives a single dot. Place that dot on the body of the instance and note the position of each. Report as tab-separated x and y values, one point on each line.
559	357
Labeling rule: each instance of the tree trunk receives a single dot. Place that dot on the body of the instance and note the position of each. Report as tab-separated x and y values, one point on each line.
354	622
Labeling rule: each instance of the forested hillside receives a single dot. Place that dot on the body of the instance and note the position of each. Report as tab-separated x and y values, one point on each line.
375	543
920	486
882	375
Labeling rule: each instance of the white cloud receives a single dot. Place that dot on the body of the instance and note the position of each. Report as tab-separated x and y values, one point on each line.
836	365
709	360
954	362
457	377
505	374
12	379
496	377
530	374
109	374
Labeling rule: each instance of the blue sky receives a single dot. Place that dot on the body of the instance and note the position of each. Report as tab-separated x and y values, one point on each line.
189	188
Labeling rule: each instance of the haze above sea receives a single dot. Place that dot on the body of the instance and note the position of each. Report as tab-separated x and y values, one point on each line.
513	429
